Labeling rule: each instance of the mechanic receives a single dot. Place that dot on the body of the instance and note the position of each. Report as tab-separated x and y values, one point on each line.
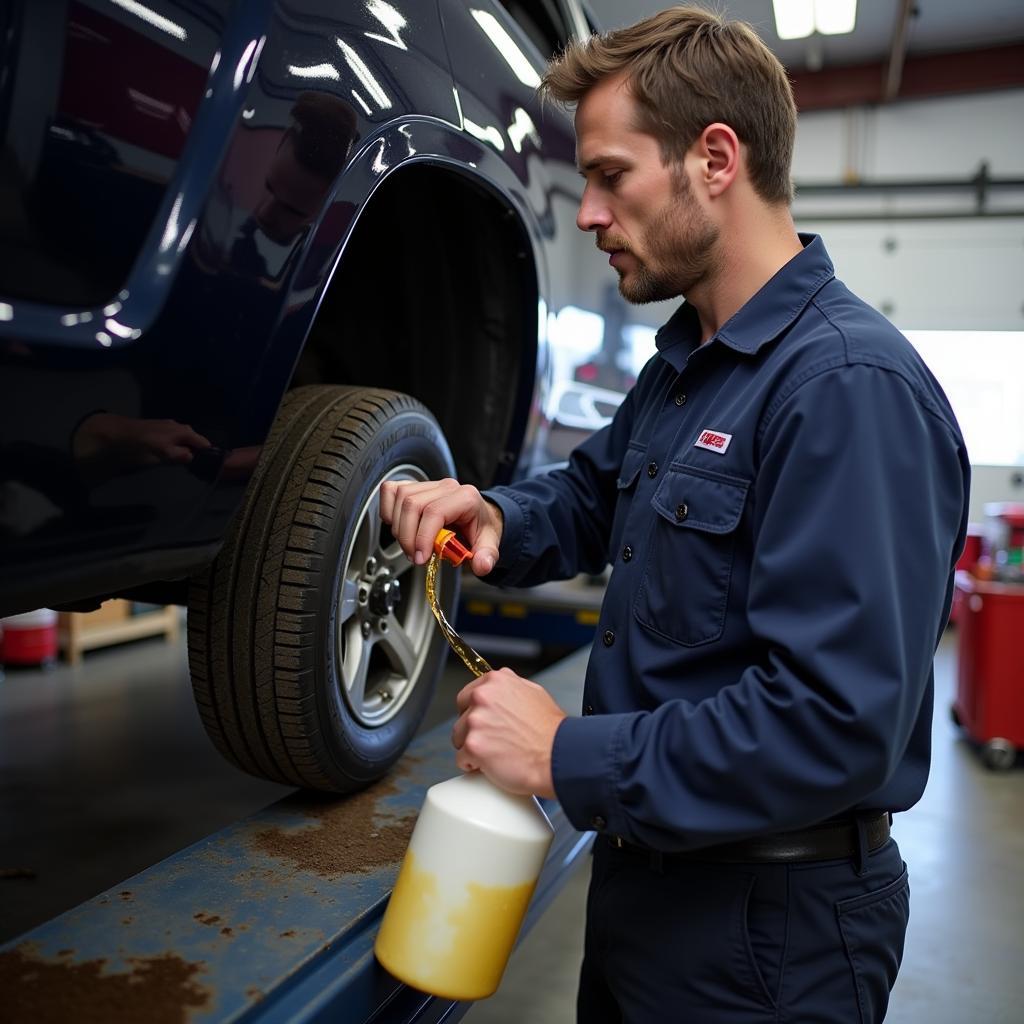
783	497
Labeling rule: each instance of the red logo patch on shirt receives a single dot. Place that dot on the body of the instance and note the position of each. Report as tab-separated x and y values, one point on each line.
713	441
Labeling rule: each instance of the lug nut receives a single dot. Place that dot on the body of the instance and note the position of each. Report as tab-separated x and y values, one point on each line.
371	566
366	629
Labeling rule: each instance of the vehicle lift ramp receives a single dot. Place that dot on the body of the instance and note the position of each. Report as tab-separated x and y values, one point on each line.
272	919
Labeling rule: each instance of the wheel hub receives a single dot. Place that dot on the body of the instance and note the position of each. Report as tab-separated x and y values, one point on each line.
385	593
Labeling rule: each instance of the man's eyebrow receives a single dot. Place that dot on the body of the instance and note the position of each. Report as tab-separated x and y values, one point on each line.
598	161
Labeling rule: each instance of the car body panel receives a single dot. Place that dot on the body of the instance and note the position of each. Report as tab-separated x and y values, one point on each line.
211	315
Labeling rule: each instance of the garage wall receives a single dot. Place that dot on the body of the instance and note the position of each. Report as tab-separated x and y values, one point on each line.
937	275
942	137
951	272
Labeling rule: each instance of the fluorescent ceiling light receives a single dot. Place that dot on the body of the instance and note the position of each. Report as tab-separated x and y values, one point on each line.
794	19
835	17
797	19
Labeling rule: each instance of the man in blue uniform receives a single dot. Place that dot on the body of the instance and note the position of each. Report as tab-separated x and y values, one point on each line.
782	496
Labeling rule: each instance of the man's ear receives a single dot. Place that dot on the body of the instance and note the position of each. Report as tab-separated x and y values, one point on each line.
719	150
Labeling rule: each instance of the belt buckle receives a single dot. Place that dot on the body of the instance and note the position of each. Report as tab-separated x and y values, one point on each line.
617	842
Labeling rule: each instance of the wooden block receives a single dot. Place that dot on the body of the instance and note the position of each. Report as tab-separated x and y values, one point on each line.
84	631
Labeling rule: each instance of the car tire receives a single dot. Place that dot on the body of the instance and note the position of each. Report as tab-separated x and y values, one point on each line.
312	648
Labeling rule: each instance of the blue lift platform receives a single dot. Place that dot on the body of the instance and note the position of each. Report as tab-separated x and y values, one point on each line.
563	613
270	920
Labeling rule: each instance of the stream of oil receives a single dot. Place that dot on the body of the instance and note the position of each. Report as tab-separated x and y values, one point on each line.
469	657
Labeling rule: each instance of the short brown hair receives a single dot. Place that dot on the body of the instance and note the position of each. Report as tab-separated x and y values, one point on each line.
688	68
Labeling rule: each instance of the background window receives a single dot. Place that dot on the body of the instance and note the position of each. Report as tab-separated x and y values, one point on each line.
982	373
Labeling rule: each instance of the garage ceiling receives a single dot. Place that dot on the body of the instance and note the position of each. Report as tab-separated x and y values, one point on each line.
898	47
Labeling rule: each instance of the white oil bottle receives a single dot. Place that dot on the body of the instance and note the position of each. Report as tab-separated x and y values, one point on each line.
470	870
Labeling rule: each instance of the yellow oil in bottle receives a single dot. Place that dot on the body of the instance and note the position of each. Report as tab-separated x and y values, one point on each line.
468	875
456	950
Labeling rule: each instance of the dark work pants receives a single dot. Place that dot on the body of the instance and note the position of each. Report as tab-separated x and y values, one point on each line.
705	943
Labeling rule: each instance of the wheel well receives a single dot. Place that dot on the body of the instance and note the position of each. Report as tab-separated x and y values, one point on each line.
436	296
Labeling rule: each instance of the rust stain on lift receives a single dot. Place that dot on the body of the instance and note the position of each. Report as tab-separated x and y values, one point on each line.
278	910
159	989
350	835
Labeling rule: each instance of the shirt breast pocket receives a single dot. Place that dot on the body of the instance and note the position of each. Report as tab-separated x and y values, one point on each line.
685	586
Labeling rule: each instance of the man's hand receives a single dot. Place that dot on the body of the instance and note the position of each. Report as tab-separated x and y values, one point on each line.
506	729
416	511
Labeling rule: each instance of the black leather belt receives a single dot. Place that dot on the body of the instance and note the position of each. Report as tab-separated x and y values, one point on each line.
831	840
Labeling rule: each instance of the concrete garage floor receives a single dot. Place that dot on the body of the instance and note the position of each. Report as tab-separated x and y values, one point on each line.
105	769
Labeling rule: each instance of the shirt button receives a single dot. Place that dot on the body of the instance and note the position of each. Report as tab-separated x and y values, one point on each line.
609	638
680	399
588	709
627	553
652	469
598	822
681	512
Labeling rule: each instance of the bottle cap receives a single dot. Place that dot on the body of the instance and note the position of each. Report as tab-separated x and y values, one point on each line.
448	547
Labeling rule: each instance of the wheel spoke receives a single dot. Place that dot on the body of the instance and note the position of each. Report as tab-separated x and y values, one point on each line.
373	522
399	648
367	531
348	600
356	667
393	559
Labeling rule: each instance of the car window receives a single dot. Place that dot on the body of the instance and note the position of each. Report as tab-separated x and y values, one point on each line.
542	21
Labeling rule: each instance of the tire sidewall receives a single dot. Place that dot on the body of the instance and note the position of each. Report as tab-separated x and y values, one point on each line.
410	438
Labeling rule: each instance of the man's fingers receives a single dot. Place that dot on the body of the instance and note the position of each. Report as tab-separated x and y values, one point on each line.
393	491
459	731
485	553
464	698
388	490
457	506
417	510
406	504
431	519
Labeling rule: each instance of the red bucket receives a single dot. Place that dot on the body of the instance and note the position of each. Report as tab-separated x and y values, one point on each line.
29	639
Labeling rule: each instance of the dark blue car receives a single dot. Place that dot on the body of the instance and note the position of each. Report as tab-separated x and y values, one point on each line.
256	258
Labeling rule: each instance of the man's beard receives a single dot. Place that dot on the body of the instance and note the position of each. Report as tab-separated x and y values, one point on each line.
679	250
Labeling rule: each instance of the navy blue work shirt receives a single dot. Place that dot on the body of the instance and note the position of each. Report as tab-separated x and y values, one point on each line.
783	507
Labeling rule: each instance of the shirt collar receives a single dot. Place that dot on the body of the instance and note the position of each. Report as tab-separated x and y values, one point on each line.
762	317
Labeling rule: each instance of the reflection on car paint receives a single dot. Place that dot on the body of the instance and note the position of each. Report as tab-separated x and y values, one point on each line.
224	156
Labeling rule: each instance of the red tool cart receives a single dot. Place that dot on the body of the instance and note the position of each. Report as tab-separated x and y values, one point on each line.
989	703
968	560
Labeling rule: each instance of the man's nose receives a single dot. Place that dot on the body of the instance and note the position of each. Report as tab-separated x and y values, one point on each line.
593	214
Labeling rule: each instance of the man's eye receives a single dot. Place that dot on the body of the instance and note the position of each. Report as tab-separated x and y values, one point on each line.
612	178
